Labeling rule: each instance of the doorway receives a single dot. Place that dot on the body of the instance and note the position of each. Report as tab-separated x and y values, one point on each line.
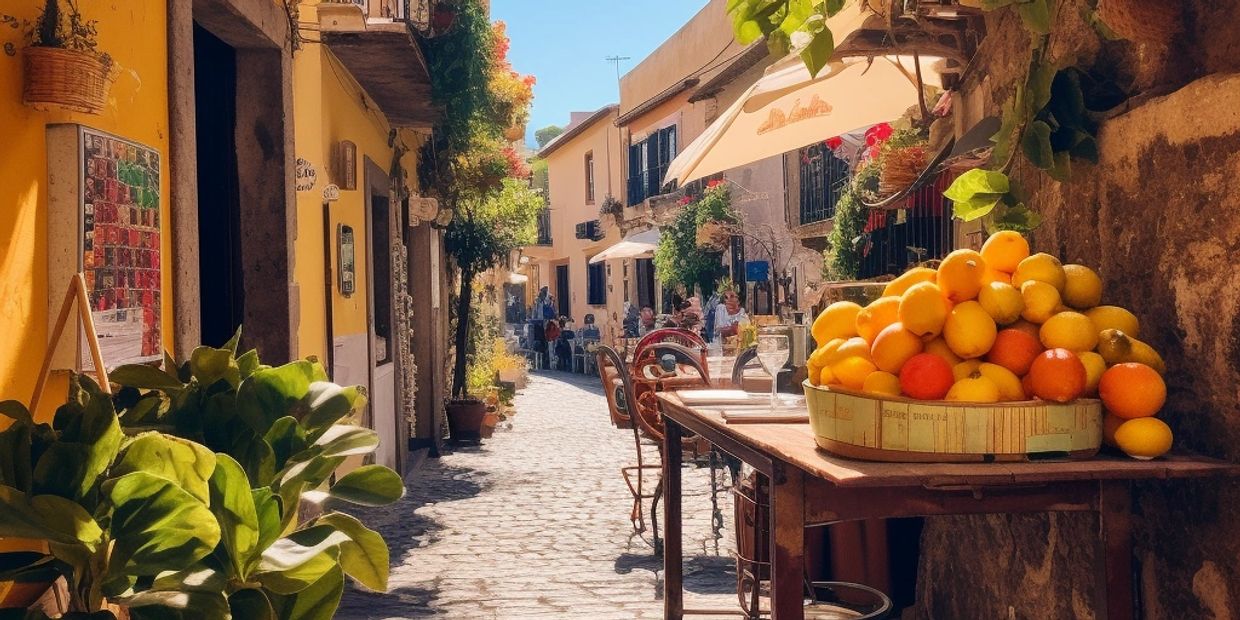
645	283
222	293
383	397
563	305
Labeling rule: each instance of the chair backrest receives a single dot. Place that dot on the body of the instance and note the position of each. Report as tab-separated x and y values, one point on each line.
682	337
743	360
645	386
620	413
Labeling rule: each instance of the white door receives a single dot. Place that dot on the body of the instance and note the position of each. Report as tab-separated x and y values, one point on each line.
383	410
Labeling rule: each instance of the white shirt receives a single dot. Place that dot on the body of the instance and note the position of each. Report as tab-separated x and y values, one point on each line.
723	319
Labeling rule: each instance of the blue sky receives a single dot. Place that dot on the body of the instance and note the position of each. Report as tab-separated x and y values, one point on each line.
563	43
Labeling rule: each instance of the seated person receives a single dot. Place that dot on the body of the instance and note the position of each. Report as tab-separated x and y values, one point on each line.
647	320
729	315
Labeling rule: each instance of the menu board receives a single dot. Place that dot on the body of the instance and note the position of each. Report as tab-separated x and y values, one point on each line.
120	246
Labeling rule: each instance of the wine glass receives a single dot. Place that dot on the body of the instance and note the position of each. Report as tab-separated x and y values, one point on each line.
773	352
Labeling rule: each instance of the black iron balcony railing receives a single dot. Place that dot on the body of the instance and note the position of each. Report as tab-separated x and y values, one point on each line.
823	176
544	227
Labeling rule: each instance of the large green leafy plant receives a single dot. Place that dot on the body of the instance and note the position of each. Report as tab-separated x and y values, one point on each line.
678	259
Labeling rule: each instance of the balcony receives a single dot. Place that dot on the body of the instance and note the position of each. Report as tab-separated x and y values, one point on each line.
377	41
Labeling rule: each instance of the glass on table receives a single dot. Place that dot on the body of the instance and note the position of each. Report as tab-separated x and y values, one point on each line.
774	348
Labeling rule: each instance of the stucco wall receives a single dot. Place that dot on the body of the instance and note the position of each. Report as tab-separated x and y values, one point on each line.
1155	217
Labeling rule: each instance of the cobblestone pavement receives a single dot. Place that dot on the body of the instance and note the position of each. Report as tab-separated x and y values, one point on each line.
534	524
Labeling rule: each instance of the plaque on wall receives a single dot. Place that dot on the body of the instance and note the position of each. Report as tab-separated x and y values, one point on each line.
104	221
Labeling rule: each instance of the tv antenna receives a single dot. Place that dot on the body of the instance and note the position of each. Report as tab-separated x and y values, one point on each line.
616	60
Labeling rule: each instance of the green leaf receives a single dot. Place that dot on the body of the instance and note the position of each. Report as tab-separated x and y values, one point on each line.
268	395
369	485
365	556
287	438
977	181
1062	170
778	44
833	7
145	377
90	435
1038	89
16	411
210	365
1036	15
293	563
1036	145
231	345
250	604
267	509
325	403
15	470
47	517
818	52
248	363
316	602
184	462
172	605
156	526
232	503
1019	218
978	206
1086	148
347	440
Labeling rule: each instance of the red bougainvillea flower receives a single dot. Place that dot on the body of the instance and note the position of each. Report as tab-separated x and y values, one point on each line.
684	200
715	183
834	142
877	134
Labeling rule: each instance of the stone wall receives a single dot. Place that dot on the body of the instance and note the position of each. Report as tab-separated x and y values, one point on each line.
1156	218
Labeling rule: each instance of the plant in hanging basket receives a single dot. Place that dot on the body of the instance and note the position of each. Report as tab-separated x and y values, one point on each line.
62	64
714	235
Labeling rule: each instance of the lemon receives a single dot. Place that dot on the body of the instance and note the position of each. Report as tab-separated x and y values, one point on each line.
853	347
879	314
894	346
820	355
883	383
974	389
1041	267
993	275
923	309
1116	347
1002	302
1114	317
1041	301
1069	330
1004	250
969	330
838	320
898	286
960	275
826	377
1144	438
852	371
1008	383
1094	367
964	369
939	347
1082	287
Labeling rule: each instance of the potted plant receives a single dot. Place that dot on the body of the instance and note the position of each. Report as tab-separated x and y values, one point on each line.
62	64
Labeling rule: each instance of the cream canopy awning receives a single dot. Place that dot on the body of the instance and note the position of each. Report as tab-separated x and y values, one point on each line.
788	109
637	245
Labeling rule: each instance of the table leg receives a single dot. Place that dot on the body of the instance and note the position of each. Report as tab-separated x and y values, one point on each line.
673	575
1117	597
787	544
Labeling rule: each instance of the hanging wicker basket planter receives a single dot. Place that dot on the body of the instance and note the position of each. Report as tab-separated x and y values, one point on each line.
713	235
70	79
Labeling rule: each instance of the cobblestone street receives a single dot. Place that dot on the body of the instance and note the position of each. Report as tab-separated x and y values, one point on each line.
534	524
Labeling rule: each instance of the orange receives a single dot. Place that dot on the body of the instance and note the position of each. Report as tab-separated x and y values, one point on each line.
1132	390
960	275
1004	250
1014	350
852	371
893	346
879	314
1058	375
1033	329
825	377
926	376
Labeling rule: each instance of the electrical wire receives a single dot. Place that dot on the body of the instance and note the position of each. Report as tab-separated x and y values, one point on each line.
692	74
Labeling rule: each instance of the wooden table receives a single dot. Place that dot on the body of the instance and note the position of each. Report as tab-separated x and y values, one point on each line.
810	487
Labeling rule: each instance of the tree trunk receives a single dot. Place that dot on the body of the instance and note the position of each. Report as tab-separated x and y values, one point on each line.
463	305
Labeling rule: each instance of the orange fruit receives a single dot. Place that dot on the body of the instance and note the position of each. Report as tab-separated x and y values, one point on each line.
1026	386
1058	375
1004	250
825	377
1132	390
938	346
1014	350
852	371
879	314
893	346
960	275
907	279
926	376
882	383
1033	329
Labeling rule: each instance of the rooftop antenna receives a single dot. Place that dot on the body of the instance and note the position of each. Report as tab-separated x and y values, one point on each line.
616	60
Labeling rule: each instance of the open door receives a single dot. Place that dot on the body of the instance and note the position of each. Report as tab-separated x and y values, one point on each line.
383	396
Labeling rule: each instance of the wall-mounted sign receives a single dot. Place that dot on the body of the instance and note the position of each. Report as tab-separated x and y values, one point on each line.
757	271
331	192
307	176
344	250
104	221
348	165
422	209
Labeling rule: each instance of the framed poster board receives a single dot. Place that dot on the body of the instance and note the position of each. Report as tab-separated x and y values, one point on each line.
104	221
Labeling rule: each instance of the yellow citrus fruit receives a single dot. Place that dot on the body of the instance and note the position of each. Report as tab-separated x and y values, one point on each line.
838	320
1082	287
1002	302
960	275
1041	301
1004	250
896	287
820	355
1008	383
894	346
852	371
964	369
1114	317
1094	367
853	347
969	330
1116	347
879	314
1041	267
974	389
1069	330
826	377
923	309
994	275
939	347
883	383
1144	438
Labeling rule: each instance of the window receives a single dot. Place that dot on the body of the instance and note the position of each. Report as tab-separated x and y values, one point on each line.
590	178
823	176
596	284
648	161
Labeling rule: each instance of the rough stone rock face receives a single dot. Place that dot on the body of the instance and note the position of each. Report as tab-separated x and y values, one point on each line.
1158	218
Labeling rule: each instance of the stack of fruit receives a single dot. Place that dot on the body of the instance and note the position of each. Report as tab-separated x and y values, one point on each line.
993	326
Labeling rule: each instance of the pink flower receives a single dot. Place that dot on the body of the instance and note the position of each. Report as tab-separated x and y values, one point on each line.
714	184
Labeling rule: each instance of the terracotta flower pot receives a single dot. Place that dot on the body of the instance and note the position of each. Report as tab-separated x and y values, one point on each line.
465	416
489	422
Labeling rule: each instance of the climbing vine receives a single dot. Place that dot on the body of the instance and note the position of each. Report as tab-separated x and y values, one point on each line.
680	260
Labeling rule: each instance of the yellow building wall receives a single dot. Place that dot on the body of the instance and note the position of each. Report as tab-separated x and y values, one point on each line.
134	33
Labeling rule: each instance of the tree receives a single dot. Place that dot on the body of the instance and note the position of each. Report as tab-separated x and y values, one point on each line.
483	233
547	134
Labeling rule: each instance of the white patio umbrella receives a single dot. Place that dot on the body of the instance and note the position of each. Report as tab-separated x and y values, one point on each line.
788	109
636	245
